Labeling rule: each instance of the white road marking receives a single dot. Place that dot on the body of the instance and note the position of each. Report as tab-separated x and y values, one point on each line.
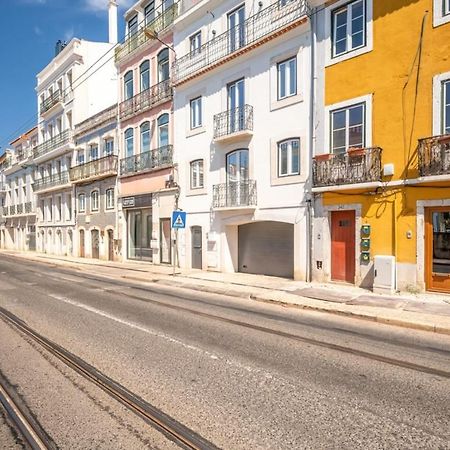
160	335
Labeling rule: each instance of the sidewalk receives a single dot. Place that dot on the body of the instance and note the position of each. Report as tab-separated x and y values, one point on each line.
429	312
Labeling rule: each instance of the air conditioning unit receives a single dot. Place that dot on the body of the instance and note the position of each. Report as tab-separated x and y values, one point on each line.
384	271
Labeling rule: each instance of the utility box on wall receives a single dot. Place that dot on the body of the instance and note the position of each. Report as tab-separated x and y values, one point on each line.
384	271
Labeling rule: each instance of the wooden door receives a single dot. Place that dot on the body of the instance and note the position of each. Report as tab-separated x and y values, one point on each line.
95	244
437	249
82	243
110	245
343	246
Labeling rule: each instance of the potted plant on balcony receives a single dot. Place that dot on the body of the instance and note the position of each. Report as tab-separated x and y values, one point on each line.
323	157
356	151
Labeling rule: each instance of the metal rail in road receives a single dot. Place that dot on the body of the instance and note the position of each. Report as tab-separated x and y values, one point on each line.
172	429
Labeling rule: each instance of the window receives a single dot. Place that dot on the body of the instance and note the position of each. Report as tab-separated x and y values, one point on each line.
446	10
94	201
109	198
196	112
289	157
149	12
82	203
446	107
287	78
93	152
128	85
145	137
145	75
163	65
348	128
43	210
109	147
349	27
58	208
236	28
80	157
133	25
69	206
195	43
197	174
129	142
163	130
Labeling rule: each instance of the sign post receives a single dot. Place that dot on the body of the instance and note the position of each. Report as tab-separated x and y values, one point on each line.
178	222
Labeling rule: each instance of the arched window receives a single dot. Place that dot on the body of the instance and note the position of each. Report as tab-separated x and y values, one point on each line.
109	198
144	70
163	65
128	85
94	201
163	130
129	144
237	166
145	137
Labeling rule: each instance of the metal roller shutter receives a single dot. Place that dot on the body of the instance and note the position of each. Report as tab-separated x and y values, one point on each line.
266	248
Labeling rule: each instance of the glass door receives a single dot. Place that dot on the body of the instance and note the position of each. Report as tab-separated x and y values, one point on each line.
237	178
236	103
140	235
236	28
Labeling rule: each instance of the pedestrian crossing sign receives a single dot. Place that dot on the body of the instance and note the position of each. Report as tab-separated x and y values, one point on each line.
178	219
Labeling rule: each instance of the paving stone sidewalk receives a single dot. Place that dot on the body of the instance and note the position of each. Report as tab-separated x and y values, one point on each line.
430	312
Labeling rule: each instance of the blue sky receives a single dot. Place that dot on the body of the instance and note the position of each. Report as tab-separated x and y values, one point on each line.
29	31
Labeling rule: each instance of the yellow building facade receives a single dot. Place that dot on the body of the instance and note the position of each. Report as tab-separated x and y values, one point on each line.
381	172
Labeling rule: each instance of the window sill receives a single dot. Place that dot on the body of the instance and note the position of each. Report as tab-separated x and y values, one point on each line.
285	102
195	131
352	54
288	179
439	20
195	192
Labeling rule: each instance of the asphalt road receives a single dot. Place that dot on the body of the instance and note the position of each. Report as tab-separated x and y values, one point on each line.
242	375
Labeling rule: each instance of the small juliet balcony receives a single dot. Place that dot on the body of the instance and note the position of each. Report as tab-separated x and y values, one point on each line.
162	19
52	182
155	95
233	124
357	165
235	195
28	208
55	99
156	159
60	141
434	156
94	170
12	210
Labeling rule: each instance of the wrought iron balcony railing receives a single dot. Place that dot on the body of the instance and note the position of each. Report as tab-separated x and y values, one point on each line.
154	159
51	181
51	101
19	208
28	207
52	144
104	117
434	155
234	194
233	121
147	99
356	166
2	187
254	30
12	210
163	18
98	168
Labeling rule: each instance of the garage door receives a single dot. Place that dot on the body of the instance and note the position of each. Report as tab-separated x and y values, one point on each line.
266	248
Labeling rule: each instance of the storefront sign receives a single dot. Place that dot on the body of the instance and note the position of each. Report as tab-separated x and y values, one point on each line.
128	202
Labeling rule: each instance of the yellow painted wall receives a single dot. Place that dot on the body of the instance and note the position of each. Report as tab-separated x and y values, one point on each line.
400	118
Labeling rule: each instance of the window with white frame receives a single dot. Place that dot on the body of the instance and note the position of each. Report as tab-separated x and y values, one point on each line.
129	142
145	137
289	157
287	78
349	27
109	147
132	25
94	201
149	12
93	152
82	203
196	112
348	128
163	65
446	7
446	107
128	85
197	174
109	195
80	158
144	70
195	43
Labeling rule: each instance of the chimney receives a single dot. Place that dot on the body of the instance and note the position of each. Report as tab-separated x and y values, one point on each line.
112	15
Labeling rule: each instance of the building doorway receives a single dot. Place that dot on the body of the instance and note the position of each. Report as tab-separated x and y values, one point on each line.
95	244
165	241
437	249
343	246
196	239
81	244
140	234
110	245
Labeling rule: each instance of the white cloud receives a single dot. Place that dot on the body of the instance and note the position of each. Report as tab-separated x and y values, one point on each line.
37	30
102	5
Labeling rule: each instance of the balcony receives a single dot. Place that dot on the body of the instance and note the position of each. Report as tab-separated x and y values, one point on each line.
147	31
263	26
12	210
51	101
361	165
28	207
154	159
434	156
54	143
94	170
233	124
53	181
19	209
104	117
159	93
235	195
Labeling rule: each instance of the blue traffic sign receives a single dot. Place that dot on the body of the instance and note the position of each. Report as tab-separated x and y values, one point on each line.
178	219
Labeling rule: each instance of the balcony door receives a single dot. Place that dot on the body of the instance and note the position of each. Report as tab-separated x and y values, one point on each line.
237	178
437	254
236	28
140	234
236	102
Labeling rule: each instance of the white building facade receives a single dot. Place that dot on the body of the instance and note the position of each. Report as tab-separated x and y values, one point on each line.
242	136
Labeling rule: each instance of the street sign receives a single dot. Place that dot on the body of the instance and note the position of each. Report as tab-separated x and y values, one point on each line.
178	219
